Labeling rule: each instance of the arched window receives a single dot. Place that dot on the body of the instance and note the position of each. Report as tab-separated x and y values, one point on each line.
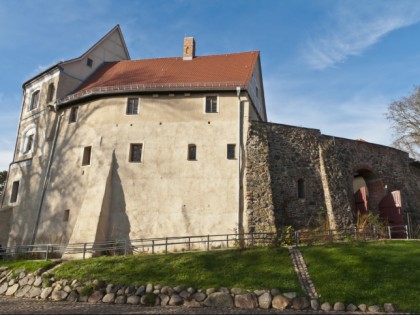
51	92
28	140
34	101
301	188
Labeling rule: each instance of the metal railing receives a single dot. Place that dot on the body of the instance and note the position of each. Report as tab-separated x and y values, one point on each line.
201	242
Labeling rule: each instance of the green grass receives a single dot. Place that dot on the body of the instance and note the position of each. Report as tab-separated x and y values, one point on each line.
259	268
369	273
28	265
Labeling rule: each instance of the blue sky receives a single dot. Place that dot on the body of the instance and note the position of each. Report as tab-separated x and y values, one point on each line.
330	65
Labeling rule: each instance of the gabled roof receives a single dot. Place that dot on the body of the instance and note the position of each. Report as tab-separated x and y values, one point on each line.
216	72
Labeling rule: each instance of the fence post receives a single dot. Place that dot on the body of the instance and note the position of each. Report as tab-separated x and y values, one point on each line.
389	231
227	240
153	246
297	238
374	232
46	252
406	231
355	232
208	242
125	247
189	243
84	250
166	245
252	239
330	235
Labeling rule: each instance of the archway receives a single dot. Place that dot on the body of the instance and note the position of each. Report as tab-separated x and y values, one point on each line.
368	191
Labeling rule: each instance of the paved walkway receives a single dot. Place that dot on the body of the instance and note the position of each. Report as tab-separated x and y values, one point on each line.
302	273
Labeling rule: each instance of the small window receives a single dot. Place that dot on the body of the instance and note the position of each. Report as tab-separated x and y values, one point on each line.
301	189
66	215
192	152
29	143
51	91
34	101
87	151
132	106
256	91
15	190
135	152
231	148
73	114
211	104
89	62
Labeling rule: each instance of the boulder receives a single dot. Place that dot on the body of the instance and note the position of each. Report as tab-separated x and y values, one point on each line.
109	298
362	307
31	279
130	291
389	308
46	293
149	288
290	295
210	291
175	300
374	309
59	295
73	296
22	291
12	289
157	287
37	282
264	300
191	290
315	304
121	299
23	281
192	303
236	291
326	307
184	294
280	302
3	288
248	301
259	292
199	296
133	299
140	290
178	289
67	289
166	290
351	308
338	306
224	290
219	299
164	299
95	297
300	303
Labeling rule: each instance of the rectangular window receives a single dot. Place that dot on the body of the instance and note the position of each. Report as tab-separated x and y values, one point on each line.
231	148
34	101
132	106
89	62
87	151
29	143
15	190
211	104
73	114
66	215
135	152
192	152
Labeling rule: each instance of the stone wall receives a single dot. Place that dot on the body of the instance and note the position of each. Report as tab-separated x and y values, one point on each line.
279	156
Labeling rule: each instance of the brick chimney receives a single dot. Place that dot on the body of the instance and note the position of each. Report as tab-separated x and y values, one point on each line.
189	48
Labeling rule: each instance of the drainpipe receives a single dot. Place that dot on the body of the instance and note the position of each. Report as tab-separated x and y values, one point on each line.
240	215
47	176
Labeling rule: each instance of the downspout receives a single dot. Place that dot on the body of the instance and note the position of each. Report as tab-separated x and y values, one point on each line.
47	176
240	215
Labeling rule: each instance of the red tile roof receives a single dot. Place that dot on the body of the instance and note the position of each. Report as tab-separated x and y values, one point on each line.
205	72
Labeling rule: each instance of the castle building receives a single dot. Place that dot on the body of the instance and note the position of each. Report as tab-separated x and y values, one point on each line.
112	148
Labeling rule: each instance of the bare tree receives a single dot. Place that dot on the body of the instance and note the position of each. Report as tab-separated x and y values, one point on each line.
404	115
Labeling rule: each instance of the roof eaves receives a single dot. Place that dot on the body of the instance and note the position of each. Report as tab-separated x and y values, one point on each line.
42	73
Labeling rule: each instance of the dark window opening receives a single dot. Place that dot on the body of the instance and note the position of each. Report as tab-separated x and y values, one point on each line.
211	104
192	152
132	106
87	151
29	143
231	148
66	215
15	190
89	62
34	101
136	152
73	114
51	91
301	189
256	91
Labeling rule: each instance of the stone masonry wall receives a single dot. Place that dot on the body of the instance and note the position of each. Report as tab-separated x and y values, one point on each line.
280	155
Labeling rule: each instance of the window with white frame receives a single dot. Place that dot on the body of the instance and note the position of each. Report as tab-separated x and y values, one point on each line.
211	104
34	101
132	106
28	140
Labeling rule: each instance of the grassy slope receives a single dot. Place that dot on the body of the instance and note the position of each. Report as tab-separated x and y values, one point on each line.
28	265
259	268
370	273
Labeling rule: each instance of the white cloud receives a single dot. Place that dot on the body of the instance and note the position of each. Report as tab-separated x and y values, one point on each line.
353	29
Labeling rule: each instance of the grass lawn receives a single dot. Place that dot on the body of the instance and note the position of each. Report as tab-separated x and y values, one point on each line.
369	273
258	268
28	265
